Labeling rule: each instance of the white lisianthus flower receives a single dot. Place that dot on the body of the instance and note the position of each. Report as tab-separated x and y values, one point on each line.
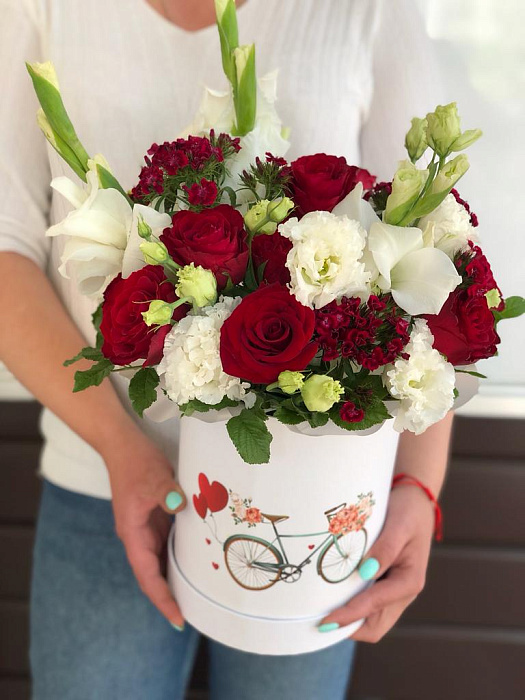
191	366
217	112
325	261
97	231
424	384
448	227
420	278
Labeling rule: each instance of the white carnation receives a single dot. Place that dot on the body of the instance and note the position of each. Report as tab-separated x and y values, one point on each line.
424	384
448	227
325	261
192	365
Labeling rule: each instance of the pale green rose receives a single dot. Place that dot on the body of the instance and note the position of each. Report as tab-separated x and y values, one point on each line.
443	128
256	215
493	298
144	229
416	139
155	253
279	209
159	313
320	392
466	139
290	382
197	285
406	188
450	173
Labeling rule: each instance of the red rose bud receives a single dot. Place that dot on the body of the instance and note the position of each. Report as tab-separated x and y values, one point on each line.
213	238
272	250
464	328
350	413
319	182
126	336
269	332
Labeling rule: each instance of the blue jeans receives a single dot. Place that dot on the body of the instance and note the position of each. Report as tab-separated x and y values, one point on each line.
95	636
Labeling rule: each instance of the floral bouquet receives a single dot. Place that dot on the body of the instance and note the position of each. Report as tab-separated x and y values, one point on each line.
301	293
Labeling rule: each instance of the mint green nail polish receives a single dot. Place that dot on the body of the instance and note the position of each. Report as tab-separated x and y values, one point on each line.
173	500
369	569
179	628
328	627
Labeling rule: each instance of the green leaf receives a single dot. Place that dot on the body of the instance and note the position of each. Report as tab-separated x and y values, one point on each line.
96	319
142	389
318	419
251	437
93	376
93	354
473	374
375	413
514	307
195	405
287	416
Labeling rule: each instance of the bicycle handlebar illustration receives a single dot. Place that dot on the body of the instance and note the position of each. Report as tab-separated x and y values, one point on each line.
256	564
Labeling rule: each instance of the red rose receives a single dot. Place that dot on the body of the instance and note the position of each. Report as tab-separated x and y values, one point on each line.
273	251
214	238
319	182
464	328
268	332
126	337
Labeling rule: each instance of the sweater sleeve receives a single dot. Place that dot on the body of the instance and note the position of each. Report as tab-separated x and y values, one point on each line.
406	83
24	164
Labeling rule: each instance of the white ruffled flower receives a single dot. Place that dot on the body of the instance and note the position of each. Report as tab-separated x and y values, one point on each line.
448	227
97	231
192	365
424	384
325	261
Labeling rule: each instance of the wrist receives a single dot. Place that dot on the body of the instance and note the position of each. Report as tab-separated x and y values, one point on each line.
402	479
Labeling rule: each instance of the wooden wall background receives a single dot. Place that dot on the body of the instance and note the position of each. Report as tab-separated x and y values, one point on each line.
463	639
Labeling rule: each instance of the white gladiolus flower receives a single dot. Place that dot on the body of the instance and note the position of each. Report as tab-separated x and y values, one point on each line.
420	278
97	231
325	261
217	112
448	227
191	366
424	384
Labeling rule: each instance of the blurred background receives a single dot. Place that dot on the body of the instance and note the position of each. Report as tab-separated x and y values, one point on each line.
464	638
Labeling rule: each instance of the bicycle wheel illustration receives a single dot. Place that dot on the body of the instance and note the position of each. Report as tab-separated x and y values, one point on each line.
253	563
341	556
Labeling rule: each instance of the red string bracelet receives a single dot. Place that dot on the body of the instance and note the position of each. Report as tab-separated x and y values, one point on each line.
412	481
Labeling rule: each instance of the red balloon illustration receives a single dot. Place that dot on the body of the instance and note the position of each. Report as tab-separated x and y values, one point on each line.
200	504
215	493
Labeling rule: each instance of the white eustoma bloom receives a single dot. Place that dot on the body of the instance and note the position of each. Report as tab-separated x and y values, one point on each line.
191	367
325	260
217	112
424	384
133	258
448	227
97	231
420	278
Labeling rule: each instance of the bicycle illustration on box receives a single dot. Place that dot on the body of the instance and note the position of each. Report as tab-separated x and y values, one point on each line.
256	563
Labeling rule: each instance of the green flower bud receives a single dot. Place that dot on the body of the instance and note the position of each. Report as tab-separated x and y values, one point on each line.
450	173
278	209
493	298
245	92
443	128
45	71
155	253
406	188
144	229
466	139
158	314
290	382
256	215
196	284
416	139
320	392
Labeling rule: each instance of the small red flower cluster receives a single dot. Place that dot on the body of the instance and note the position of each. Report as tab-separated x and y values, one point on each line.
466	206
168	159
350	413
371	334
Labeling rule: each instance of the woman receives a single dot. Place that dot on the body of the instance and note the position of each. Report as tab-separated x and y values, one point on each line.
353	74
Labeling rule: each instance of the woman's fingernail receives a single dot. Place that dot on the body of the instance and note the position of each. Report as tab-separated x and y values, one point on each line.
369	569
173	500
179	628
328	627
